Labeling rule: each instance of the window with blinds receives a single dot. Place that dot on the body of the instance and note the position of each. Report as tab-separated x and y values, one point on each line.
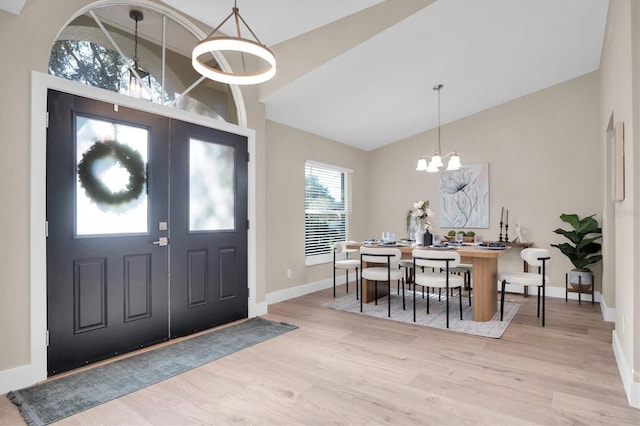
326	210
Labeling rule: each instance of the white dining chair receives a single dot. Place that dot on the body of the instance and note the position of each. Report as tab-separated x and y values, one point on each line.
437	274
466	270
406	265
342	261
381	264
534	257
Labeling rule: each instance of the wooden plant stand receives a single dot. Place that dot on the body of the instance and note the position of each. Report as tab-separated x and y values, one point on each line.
582	289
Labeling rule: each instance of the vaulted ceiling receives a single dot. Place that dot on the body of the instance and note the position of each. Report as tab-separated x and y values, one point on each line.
361	72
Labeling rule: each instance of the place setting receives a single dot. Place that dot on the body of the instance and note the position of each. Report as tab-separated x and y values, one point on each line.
491	246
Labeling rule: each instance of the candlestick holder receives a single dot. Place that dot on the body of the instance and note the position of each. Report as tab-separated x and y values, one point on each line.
506	233
501	223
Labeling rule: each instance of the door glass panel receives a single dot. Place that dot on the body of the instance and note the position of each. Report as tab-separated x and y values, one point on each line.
211	186
111	187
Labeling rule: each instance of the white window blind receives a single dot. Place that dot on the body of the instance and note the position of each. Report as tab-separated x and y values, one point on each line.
326	210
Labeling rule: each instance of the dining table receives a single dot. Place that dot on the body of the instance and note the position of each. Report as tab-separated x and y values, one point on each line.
484	276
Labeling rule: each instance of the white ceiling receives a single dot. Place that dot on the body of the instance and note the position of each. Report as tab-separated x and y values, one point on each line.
12	6
378	91
484	52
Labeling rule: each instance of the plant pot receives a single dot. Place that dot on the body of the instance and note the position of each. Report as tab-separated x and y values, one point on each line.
579	277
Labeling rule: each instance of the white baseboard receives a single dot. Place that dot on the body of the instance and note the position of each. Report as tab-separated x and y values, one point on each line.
258	309
626	374
20	377
551	291
297	291
609	314
556	292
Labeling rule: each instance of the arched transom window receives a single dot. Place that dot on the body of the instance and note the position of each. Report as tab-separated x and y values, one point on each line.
99	47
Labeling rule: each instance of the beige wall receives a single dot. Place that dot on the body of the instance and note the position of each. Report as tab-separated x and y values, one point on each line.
542	151
287	151
25	43
620	92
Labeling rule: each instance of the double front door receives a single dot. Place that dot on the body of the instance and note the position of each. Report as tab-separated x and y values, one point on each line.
146	229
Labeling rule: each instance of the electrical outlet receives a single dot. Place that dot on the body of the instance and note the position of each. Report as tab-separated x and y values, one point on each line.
289	273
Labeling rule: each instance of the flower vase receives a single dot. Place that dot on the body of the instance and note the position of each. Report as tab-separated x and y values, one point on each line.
427	238
419	236
411	229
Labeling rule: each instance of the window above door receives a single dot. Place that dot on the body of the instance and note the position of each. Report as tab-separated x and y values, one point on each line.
99	48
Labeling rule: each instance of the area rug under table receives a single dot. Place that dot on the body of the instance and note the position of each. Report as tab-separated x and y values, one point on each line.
59	398
437	312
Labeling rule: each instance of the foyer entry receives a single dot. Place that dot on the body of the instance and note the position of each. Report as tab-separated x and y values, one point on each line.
147	229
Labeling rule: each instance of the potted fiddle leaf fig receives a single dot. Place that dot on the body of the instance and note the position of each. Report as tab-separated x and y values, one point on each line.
583	250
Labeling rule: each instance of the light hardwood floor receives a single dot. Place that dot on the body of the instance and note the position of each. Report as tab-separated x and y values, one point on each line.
341	368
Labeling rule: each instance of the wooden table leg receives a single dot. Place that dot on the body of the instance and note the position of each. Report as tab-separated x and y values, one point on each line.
485	290
368	290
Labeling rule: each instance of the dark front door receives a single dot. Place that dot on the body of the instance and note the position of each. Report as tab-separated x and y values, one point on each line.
116	227
106	279
209	228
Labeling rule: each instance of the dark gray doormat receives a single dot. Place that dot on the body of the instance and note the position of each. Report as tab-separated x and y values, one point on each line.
56	399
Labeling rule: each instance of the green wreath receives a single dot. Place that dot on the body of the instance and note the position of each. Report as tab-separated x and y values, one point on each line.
128	157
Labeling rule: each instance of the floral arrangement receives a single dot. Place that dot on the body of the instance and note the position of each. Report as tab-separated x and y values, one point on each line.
420	213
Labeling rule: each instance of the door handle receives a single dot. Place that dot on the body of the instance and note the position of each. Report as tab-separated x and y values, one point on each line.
162	241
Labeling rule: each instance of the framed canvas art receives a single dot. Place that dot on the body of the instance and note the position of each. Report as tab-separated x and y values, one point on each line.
464	197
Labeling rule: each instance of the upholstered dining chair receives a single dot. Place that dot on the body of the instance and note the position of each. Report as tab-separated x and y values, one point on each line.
440	276
465	269
339	250
534	257
406	265
381	264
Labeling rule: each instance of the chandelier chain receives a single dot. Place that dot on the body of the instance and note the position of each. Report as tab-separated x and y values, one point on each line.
135	38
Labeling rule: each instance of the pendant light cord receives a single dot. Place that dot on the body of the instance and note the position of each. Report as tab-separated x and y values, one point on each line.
437	88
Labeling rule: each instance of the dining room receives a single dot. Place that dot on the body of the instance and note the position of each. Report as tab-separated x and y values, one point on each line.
384	184
543	153
546	154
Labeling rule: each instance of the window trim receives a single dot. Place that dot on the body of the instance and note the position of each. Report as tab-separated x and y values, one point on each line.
318	259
